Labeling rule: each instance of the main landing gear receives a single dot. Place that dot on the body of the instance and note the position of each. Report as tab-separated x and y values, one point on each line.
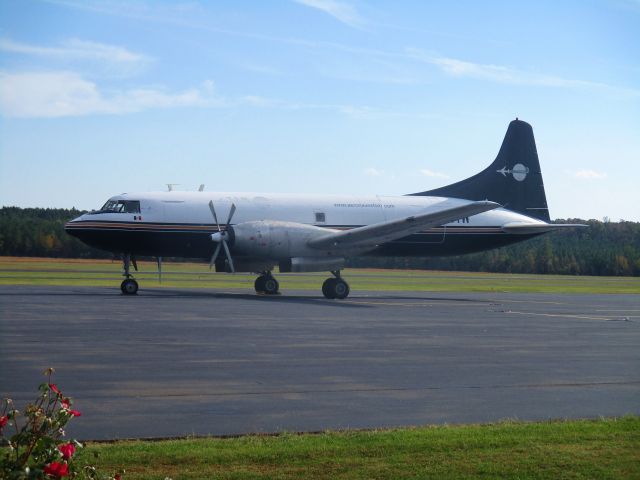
335	287
266	284
129	286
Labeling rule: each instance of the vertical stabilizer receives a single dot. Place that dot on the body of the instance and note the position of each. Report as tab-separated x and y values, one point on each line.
514	179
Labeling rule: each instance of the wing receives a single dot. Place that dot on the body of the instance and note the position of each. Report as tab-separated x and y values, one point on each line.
521	228
377	233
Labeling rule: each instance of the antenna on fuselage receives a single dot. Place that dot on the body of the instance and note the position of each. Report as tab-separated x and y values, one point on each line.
201	188
170	186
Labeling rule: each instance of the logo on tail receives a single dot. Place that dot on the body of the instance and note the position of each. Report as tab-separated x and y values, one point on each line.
518	171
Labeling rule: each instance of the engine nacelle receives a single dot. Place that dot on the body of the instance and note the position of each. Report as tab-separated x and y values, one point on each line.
312	264
276	240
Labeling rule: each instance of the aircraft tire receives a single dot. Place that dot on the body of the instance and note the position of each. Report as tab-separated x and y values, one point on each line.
327	288
271	285
259	284
341	289
129	286
335	288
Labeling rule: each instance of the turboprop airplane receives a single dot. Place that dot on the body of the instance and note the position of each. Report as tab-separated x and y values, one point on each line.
503	204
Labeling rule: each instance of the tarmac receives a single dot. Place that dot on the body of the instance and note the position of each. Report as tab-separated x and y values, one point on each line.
180	362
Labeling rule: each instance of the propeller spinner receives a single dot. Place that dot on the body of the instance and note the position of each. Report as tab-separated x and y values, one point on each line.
221	237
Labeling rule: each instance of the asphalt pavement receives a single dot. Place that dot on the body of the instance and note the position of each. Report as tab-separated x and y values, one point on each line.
177	362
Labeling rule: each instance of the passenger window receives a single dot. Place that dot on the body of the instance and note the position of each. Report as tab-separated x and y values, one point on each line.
320	217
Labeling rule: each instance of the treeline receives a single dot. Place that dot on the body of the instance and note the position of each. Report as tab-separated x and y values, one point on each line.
39	232
606	248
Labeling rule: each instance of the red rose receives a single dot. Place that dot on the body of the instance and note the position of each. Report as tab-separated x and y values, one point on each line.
66	403
75	413
117	476
67	450
54	389
57	469
3	421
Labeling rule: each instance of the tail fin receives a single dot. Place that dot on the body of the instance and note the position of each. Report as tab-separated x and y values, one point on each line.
514	179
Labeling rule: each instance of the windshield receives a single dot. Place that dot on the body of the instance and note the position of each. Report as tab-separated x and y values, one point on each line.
120	206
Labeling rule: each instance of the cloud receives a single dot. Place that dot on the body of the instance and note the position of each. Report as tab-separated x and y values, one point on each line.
430	173
373	172
64	94
262	102
172	12
190	15
261	69
81	50
509	75
589	175
341	11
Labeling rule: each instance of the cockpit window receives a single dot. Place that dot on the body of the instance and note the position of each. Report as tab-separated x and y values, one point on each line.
120	206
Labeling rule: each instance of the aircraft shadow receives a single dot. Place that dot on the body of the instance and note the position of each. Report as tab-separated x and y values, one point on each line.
284	298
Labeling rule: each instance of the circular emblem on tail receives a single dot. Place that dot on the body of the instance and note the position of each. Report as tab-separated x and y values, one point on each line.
519	171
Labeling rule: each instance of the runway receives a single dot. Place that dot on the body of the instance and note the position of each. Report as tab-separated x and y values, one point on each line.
176	362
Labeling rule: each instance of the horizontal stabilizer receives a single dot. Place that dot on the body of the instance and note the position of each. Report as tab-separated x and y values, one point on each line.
522	228
378	233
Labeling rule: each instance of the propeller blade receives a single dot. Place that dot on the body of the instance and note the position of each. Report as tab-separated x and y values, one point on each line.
215	256
226	250
231	212
213	212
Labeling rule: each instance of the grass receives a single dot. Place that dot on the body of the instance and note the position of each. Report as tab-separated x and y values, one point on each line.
107	273
582	449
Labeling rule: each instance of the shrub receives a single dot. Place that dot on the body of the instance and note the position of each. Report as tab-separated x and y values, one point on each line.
32	444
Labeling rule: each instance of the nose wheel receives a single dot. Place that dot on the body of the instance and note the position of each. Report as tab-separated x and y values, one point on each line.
129	286
266	284
335	287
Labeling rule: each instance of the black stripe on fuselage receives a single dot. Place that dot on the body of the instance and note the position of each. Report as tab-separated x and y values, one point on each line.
194	241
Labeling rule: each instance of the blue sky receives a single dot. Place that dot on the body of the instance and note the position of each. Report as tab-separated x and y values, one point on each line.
318	96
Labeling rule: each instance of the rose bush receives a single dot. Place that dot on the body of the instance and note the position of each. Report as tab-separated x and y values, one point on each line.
31	441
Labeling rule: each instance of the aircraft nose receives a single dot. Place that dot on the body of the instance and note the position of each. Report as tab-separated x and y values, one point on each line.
72	226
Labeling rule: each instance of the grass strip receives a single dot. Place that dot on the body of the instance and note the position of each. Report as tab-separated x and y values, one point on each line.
580	449
107	273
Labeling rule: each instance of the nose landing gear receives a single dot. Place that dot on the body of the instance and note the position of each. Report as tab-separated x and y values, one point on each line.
335	287
129	286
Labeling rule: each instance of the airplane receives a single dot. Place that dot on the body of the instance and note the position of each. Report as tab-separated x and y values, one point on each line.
503	204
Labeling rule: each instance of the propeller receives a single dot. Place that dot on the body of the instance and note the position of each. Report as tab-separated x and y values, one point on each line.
221	237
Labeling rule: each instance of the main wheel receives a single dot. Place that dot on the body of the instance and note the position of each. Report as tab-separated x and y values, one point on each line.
259	284
129	286
328	287
271	286
335	288
341	289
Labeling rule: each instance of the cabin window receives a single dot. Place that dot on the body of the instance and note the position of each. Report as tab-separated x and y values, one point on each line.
320	217
121	206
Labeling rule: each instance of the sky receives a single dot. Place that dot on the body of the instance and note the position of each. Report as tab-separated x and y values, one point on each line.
316	96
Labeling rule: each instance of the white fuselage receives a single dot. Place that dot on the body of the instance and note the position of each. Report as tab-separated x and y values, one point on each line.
339	210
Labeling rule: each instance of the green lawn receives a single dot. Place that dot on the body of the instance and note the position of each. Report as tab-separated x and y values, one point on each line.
584	449
16	271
